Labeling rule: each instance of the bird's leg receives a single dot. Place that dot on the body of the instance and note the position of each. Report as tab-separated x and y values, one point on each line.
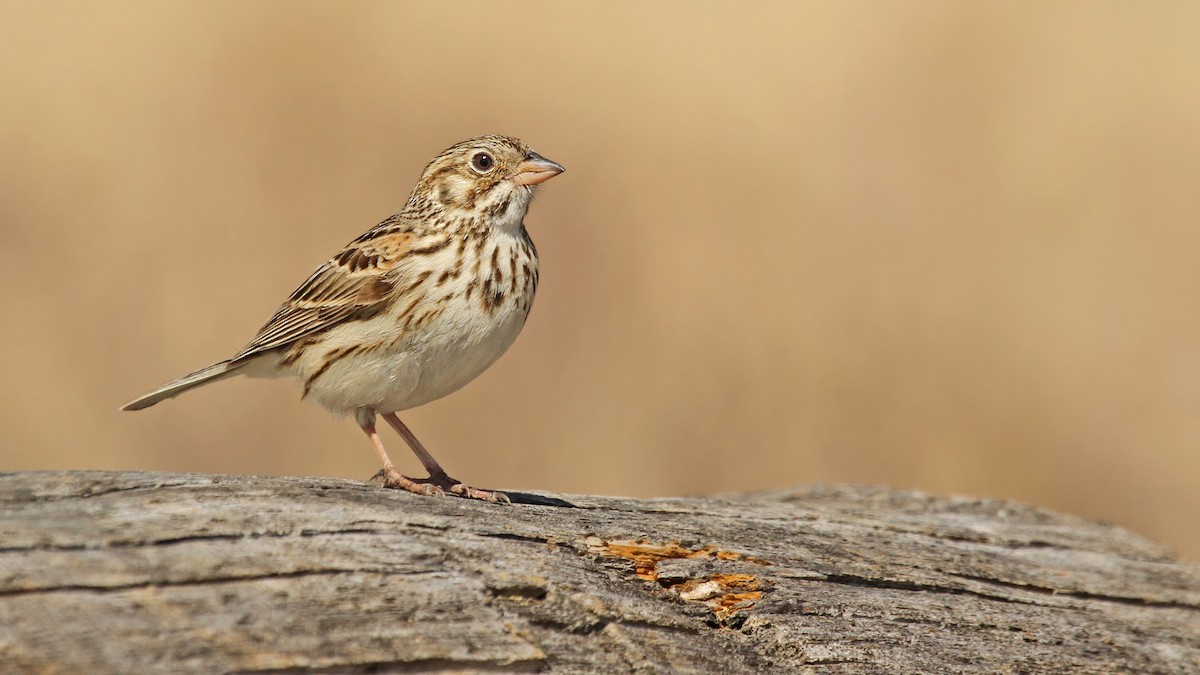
391	477
436	472
438	475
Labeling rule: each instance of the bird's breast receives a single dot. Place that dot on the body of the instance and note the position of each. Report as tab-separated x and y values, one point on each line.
461	307
462	322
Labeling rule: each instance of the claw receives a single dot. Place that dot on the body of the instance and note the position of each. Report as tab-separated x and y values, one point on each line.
398	481
438	486
432	490
492	496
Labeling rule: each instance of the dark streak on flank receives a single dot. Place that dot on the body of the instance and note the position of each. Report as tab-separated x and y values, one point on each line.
330	358
296	350
407	313
420	279
427	317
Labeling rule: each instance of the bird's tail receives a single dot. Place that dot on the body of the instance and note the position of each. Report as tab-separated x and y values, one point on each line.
217	371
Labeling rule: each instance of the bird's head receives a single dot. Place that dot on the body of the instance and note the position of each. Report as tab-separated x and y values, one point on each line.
488	178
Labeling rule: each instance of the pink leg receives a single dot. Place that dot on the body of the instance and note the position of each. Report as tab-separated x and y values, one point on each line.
391	477
438	475
431	465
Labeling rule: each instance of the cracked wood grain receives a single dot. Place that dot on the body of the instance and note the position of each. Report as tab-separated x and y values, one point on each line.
141	572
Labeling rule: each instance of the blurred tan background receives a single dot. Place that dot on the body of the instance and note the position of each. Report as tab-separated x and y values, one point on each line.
949	246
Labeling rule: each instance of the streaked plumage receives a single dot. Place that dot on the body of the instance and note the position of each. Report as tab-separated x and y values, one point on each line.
413	309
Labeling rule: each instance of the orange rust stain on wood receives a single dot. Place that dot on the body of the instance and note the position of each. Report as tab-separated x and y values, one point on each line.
740	591
724	594
645	556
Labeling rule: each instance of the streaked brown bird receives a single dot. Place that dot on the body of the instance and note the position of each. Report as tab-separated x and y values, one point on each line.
413	309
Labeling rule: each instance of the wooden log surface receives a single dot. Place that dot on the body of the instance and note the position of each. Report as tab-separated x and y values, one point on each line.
145	572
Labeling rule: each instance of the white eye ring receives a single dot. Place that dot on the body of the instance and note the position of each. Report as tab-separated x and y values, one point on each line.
482	162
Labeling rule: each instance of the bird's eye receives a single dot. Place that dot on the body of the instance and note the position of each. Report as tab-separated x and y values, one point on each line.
482	162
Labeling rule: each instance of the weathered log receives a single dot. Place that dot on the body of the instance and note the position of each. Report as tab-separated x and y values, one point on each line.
142	572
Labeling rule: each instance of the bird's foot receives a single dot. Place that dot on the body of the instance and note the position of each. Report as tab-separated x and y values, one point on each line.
398	481
494	496
438	485
444	483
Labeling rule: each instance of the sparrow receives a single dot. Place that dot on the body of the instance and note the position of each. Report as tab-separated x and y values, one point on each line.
414	308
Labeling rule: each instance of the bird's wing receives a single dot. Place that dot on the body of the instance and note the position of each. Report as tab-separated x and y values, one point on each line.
355	284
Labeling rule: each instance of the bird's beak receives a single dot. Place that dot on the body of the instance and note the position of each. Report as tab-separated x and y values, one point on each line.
536	169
